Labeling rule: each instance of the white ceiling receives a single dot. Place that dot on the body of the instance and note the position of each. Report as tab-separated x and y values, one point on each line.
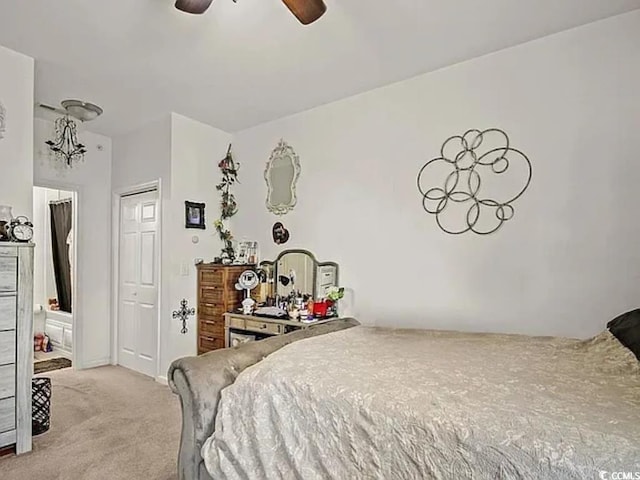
243	64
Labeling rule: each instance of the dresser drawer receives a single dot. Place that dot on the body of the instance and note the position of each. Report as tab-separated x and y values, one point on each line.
211	294
8	274
7	347
7	414
7	381
210	310
208	343
213	326
8	251
237	323
264	327
8	313
211	277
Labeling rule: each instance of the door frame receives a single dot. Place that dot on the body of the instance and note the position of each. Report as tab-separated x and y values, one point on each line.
77	357
117	195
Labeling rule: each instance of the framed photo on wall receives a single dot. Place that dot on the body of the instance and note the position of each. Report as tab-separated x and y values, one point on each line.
194	215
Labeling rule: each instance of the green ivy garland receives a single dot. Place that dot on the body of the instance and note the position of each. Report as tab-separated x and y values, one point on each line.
228	205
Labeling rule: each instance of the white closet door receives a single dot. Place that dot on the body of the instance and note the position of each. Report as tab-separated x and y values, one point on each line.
138	278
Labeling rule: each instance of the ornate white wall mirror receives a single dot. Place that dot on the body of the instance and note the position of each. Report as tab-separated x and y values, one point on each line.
281	175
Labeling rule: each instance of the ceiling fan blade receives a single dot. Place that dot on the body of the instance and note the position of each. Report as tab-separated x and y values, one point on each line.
52	109
193	6
306	11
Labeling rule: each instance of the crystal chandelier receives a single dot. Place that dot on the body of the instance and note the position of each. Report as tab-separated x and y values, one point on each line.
65	147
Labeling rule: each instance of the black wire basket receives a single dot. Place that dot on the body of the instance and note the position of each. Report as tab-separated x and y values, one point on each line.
41	409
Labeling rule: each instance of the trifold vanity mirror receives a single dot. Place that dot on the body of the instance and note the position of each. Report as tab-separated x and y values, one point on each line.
281	175
299	271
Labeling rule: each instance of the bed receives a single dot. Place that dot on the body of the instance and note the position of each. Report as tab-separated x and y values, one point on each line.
403	404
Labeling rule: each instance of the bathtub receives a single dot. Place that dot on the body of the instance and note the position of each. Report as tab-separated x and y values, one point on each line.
59	327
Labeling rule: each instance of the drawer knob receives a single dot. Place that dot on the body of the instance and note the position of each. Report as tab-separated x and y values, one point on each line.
209	322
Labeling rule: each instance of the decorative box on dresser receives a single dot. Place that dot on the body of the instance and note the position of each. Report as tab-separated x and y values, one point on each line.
217	295
16	345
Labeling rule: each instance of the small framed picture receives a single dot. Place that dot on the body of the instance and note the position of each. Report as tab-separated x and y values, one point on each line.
247	253
194	215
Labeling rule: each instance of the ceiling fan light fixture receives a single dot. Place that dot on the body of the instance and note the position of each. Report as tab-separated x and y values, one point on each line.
195	7
306	11
83	111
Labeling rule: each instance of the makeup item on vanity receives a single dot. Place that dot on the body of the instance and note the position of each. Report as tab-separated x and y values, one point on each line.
248	305
273	312
320	309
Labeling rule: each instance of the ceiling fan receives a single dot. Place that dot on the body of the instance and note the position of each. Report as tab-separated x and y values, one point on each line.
306	11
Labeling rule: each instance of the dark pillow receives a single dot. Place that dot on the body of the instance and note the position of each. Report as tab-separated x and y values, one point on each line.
626	328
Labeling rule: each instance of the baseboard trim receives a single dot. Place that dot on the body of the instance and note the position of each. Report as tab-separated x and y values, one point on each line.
64	353
162	380
101	362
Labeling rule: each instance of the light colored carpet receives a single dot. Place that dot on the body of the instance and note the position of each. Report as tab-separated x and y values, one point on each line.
106	423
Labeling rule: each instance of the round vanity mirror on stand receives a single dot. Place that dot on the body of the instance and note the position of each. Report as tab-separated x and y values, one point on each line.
247	281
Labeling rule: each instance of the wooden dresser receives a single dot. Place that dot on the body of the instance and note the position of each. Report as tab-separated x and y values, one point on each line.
216	296
16	345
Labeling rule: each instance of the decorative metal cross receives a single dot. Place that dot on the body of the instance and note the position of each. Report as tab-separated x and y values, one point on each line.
183	314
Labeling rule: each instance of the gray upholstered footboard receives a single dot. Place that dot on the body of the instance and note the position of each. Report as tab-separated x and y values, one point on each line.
199	380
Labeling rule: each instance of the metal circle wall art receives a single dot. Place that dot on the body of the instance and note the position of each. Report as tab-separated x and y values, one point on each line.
455	186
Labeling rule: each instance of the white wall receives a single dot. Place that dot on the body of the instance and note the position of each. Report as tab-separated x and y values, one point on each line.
183	154
143	155
16	148
91	180
196	149
569	260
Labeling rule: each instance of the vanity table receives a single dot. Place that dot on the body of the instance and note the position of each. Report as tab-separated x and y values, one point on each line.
244	328
298	270
294	273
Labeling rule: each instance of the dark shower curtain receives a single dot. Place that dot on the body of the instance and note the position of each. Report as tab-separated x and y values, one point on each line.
61	214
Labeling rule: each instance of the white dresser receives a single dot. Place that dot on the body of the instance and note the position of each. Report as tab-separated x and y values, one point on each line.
16	344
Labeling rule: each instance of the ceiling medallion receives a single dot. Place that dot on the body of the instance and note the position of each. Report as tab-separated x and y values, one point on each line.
3	116
65	148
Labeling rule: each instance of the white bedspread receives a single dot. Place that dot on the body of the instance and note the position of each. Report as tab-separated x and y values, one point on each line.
368	403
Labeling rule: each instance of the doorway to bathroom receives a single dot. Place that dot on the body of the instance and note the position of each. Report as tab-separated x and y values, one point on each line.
54	219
